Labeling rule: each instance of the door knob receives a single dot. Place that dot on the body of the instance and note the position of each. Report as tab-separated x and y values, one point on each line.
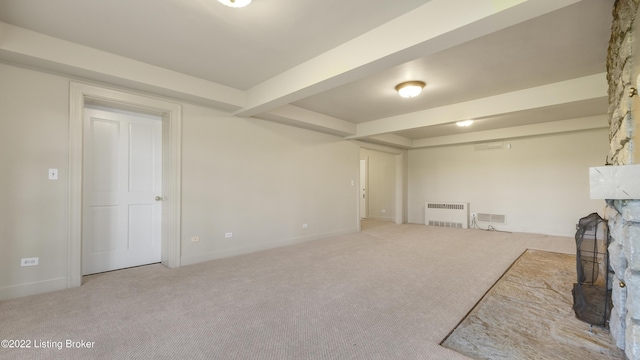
158	198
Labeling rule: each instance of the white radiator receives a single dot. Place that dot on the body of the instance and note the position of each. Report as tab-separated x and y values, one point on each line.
455	215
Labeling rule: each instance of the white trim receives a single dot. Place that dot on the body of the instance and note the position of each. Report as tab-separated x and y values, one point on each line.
171	208
214	255
383	218
32	288
401	188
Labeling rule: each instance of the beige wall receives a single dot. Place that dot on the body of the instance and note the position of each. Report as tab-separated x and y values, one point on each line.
261	181
541	184
34	118
257	179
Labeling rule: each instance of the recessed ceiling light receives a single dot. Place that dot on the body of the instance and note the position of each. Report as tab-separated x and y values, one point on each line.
410	89
235	3
464	123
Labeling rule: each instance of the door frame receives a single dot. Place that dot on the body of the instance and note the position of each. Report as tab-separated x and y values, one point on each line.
171	114
401	180
364	210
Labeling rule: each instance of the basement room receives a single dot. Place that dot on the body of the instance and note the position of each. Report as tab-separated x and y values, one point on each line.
280	179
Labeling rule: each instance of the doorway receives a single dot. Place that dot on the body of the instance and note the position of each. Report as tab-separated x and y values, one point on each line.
363	188
82	95
385	169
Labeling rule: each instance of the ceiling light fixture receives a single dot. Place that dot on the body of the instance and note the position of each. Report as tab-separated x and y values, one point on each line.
235	3
464	123
409	89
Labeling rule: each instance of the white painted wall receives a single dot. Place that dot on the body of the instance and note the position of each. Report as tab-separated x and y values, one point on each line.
257	179
541	184
261	181
34	122
382	184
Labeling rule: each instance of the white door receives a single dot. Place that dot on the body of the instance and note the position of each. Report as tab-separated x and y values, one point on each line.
122	175
363	189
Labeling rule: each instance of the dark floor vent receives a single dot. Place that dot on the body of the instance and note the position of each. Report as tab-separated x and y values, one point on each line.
592	292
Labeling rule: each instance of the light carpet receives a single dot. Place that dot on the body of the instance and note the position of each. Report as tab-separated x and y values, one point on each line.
388	292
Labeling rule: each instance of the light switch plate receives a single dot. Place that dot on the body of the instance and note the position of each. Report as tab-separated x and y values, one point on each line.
53	174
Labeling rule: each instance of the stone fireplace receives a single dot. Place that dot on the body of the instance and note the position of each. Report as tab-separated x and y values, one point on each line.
619	182
620	187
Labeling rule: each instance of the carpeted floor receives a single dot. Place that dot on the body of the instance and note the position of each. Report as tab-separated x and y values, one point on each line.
388	292
528	314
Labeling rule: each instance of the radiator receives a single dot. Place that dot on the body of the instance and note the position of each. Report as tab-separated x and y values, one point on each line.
447	214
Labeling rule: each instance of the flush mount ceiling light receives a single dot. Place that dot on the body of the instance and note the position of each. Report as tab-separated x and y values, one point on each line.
464	123
235	3
409	89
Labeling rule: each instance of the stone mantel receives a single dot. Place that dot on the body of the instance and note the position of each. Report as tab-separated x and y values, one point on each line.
615	182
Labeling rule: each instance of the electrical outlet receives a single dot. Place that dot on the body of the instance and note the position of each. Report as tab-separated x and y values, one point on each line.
304	226
228	235
29	261
384	210
195	238
53	174
473	216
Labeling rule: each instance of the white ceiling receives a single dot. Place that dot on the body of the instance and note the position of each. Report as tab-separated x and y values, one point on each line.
332	65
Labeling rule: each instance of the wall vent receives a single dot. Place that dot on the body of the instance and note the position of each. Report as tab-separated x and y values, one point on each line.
492	218
447	214
496	145
447	224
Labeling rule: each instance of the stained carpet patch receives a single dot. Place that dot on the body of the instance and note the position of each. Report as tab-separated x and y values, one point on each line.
528	314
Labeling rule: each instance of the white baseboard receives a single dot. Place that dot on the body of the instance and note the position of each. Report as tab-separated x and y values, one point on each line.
381	218
33	288
189	260
39	287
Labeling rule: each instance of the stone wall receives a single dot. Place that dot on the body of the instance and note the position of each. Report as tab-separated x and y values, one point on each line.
620	78
623	214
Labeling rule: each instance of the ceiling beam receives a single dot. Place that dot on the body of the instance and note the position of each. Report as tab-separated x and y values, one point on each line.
554	127
380	147
29	48
303	118
584	88
391	140
433	27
